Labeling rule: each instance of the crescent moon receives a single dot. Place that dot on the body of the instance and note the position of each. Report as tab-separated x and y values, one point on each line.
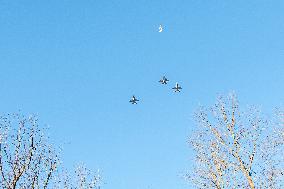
160	28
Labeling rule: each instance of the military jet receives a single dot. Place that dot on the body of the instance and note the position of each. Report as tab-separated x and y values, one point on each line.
133	100
177	88
164	80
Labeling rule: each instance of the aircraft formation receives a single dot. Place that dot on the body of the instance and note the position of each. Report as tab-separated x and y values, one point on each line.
163	81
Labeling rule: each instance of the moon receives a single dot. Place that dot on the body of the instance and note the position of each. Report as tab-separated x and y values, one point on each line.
160	28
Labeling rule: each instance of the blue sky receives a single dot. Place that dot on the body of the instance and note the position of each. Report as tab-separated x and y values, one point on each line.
77	63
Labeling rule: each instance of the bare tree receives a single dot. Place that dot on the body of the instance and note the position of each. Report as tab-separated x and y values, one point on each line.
27	160
237	149
83	179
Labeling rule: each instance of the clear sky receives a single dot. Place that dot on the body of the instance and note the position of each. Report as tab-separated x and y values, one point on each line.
77	63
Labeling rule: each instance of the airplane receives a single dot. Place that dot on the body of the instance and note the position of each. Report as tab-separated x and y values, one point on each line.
177	88
133	100
164	80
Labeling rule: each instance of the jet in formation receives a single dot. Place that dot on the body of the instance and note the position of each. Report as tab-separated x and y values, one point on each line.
133	100
164	80
177	88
